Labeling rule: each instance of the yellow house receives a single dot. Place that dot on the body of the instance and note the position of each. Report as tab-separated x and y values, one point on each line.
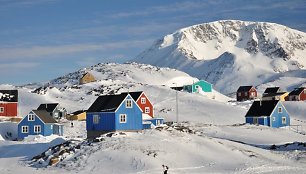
77	115
87	78
275	96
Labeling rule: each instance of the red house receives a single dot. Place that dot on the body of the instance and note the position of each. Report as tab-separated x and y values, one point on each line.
246	93
8	103
298	94
143	102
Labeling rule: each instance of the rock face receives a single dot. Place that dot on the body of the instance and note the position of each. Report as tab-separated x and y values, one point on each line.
222	51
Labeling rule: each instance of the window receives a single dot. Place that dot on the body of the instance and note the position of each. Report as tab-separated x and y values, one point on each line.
31	117
147	110
273	118
252	94
55	114
246	94
158	122
284	121
51	127
24	129
255	120
95	119
1	109
279	110
37	129
239	94
143	100
122	118
196	86
128	103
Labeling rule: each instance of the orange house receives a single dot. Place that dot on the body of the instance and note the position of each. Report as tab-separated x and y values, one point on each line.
143	102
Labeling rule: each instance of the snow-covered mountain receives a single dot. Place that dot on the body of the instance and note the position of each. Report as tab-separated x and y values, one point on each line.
231	53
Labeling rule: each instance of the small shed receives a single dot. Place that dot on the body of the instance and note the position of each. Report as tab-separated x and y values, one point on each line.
87	78
77	115
39	122
193	88
246	93
54	110
269	113
298	94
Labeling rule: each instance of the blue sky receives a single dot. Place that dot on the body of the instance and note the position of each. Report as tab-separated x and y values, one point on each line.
43	39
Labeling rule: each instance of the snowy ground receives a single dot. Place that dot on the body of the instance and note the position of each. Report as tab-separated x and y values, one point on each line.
216	140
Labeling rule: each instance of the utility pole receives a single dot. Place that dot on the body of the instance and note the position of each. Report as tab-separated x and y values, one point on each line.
176	98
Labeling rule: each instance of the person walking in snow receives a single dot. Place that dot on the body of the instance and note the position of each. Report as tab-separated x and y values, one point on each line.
165	169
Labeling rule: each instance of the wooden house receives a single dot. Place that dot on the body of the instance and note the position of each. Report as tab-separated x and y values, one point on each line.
38	123
199	86
274	93
113	113
8	103
54	110
246	93
77	115
87	78
143	102
269	113
298	94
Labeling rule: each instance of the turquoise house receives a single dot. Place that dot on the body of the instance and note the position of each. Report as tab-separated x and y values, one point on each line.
204	85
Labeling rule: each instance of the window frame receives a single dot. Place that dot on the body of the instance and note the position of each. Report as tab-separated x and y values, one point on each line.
127	101
95	119
122	118
284	120
37	129
31	116
147	110
239	94
23	128
280	110
143	100
1	109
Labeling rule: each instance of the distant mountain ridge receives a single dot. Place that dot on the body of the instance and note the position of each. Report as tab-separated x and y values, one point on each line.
230	53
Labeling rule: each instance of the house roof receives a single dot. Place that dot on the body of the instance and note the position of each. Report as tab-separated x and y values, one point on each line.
272	90
49	107
45	116
262	108
297	91
107	103
134	95
244	88
9	95
274	94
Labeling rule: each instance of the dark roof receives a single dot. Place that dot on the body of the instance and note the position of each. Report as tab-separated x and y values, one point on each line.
9	95
273	94
107	103
135	95
45	116
244	88
297	91
272	90
49	107
262	108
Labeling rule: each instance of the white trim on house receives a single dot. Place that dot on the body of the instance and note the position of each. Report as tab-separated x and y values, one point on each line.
37	129
31	117
122	118
143	100
123	102
147	110
129	103
24	129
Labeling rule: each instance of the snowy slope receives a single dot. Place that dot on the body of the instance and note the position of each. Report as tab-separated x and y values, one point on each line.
217	142
231	53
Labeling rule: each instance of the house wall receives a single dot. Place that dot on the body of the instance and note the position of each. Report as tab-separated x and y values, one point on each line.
147	104
81	116
10	109
31	125
261	120
188	88
134	117
106	121
243	97
58	129
87	79
303	95
278	116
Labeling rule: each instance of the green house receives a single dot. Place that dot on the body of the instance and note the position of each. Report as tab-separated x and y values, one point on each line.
205	86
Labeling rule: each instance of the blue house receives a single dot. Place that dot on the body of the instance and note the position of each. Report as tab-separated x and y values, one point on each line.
38	123
195	87
113	113
269	113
